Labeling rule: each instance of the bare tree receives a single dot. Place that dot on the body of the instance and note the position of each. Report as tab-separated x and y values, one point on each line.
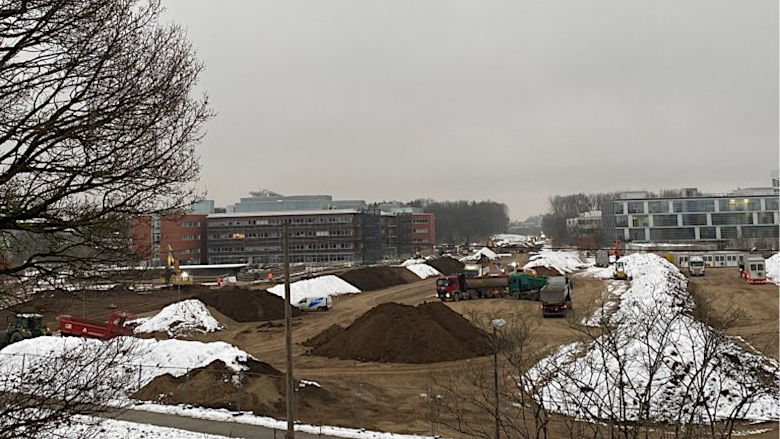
98	123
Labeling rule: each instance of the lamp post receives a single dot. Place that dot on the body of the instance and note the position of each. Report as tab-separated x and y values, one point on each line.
496	323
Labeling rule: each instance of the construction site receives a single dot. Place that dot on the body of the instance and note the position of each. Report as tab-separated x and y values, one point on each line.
396	357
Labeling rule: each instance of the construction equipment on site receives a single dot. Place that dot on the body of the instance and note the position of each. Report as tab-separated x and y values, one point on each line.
620	271
696	266
173	274
525	285
602	258
115	326
755	270
556	296
24	326
475	282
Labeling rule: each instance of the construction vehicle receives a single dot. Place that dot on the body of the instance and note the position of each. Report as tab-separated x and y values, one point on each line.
23	327
755	270
475	282
696	266
115	326
556	296
620	271
602	258
173	274
524	285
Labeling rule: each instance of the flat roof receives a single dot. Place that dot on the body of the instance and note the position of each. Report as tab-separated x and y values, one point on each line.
283	213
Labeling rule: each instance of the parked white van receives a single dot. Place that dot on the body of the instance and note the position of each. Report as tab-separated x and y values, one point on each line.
323	303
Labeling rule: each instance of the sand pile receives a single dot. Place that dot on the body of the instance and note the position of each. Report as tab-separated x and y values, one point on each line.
396	333
262	389
446	265
244	305
376	278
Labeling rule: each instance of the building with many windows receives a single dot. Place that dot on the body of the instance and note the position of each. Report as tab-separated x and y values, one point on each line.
185	234
743	218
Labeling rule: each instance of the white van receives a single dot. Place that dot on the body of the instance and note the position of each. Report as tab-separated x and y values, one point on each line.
323	303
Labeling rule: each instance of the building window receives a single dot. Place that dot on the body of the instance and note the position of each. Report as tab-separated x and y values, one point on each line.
636	207
619	208
707	233
640	221
699	205
760	232
636	234
770	203
621	221
664	220
766	217
728	232
732	218
673	234
237	236
739	204
658	206
694	219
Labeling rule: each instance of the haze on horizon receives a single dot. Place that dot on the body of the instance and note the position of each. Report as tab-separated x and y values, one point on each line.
508	101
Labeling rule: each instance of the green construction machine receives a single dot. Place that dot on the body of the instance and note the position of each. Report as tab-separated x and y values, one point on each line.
23	327
524	285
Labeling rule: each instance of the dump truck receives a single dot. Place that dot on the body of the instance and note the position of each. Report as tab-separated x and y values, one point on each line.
696	266
475	282
526	285
114	327
556	296
24	326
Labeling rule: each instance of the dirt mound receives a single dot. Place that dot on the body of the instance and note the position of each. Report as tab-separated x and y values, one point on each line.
262	389
244	305
324	336
376	278
446	265
396	333
544	271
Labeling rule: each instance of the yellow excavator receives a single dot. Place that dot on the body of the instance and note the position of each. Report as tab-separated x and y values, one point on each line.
173	274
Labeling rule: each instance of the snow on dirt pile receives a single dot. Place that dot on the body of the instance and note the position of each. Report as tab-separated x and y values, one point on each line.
654	361
396	333
484	251
423	271
561	261
180	319
773	268
317	287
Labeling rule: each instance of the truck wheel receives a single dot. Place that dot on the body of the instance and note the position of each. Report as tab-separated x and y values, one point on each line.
322	308
456	297
16	337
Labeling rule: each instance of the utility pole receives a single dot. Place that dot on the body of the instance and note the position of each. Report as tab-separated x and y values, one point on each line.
496	323
288	335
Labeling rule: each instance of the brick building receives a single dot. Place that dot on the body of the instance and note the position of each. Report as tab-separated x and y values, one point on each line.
185	234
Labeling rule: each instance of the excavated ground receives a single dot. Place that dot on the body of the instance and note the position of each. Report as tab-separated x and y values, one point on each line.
396	333
446	265
376	278
244	305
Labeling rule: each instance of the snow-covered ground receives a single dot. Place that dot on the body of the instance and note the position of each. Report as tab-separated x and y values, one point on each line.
423	271
508	239
112	428
317	287
773	268
181	318
484	251
657	362
138	360
563	261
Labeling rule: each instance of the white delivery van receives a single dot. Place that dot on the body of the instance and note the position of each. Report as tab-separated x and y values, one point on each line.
323	303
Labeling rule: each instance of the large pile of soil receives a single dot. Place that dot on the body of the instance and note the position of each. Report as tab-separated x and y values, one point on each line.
376	278
262	389
544	271
244	305
396	333
446	265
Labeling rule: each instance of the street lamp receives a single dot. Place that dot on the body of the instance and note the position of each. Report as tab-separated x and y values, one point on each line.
496	323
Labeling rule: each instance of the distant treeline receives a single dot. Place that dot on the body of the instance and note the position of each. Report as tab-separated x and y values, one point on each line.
563	207
459	221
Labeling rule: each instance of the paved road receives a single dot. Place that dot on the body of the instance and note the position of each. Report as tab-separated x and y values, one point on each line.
229	429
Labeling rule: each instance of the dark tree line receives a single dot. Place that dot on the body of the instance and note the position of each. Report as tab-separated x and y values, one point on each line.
458	221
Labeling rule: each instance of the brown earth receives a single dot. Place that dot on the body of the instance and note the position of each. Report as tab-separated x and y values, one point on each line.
544	271
397	333
376	278
446	265
244	305
262	389
755	307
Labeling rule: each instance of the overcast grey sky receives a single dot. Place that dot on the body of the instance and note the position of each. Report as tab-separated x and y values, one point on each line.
512	101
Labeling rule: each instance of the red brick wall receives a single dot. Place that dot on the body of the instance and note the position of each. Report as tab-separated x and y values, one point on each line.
423	231
186	234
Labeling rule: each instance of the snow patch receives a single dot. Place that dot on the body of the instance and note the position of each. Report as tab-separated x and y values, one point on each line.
563	261
484	251
773	268
423	271
329	285
181	318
